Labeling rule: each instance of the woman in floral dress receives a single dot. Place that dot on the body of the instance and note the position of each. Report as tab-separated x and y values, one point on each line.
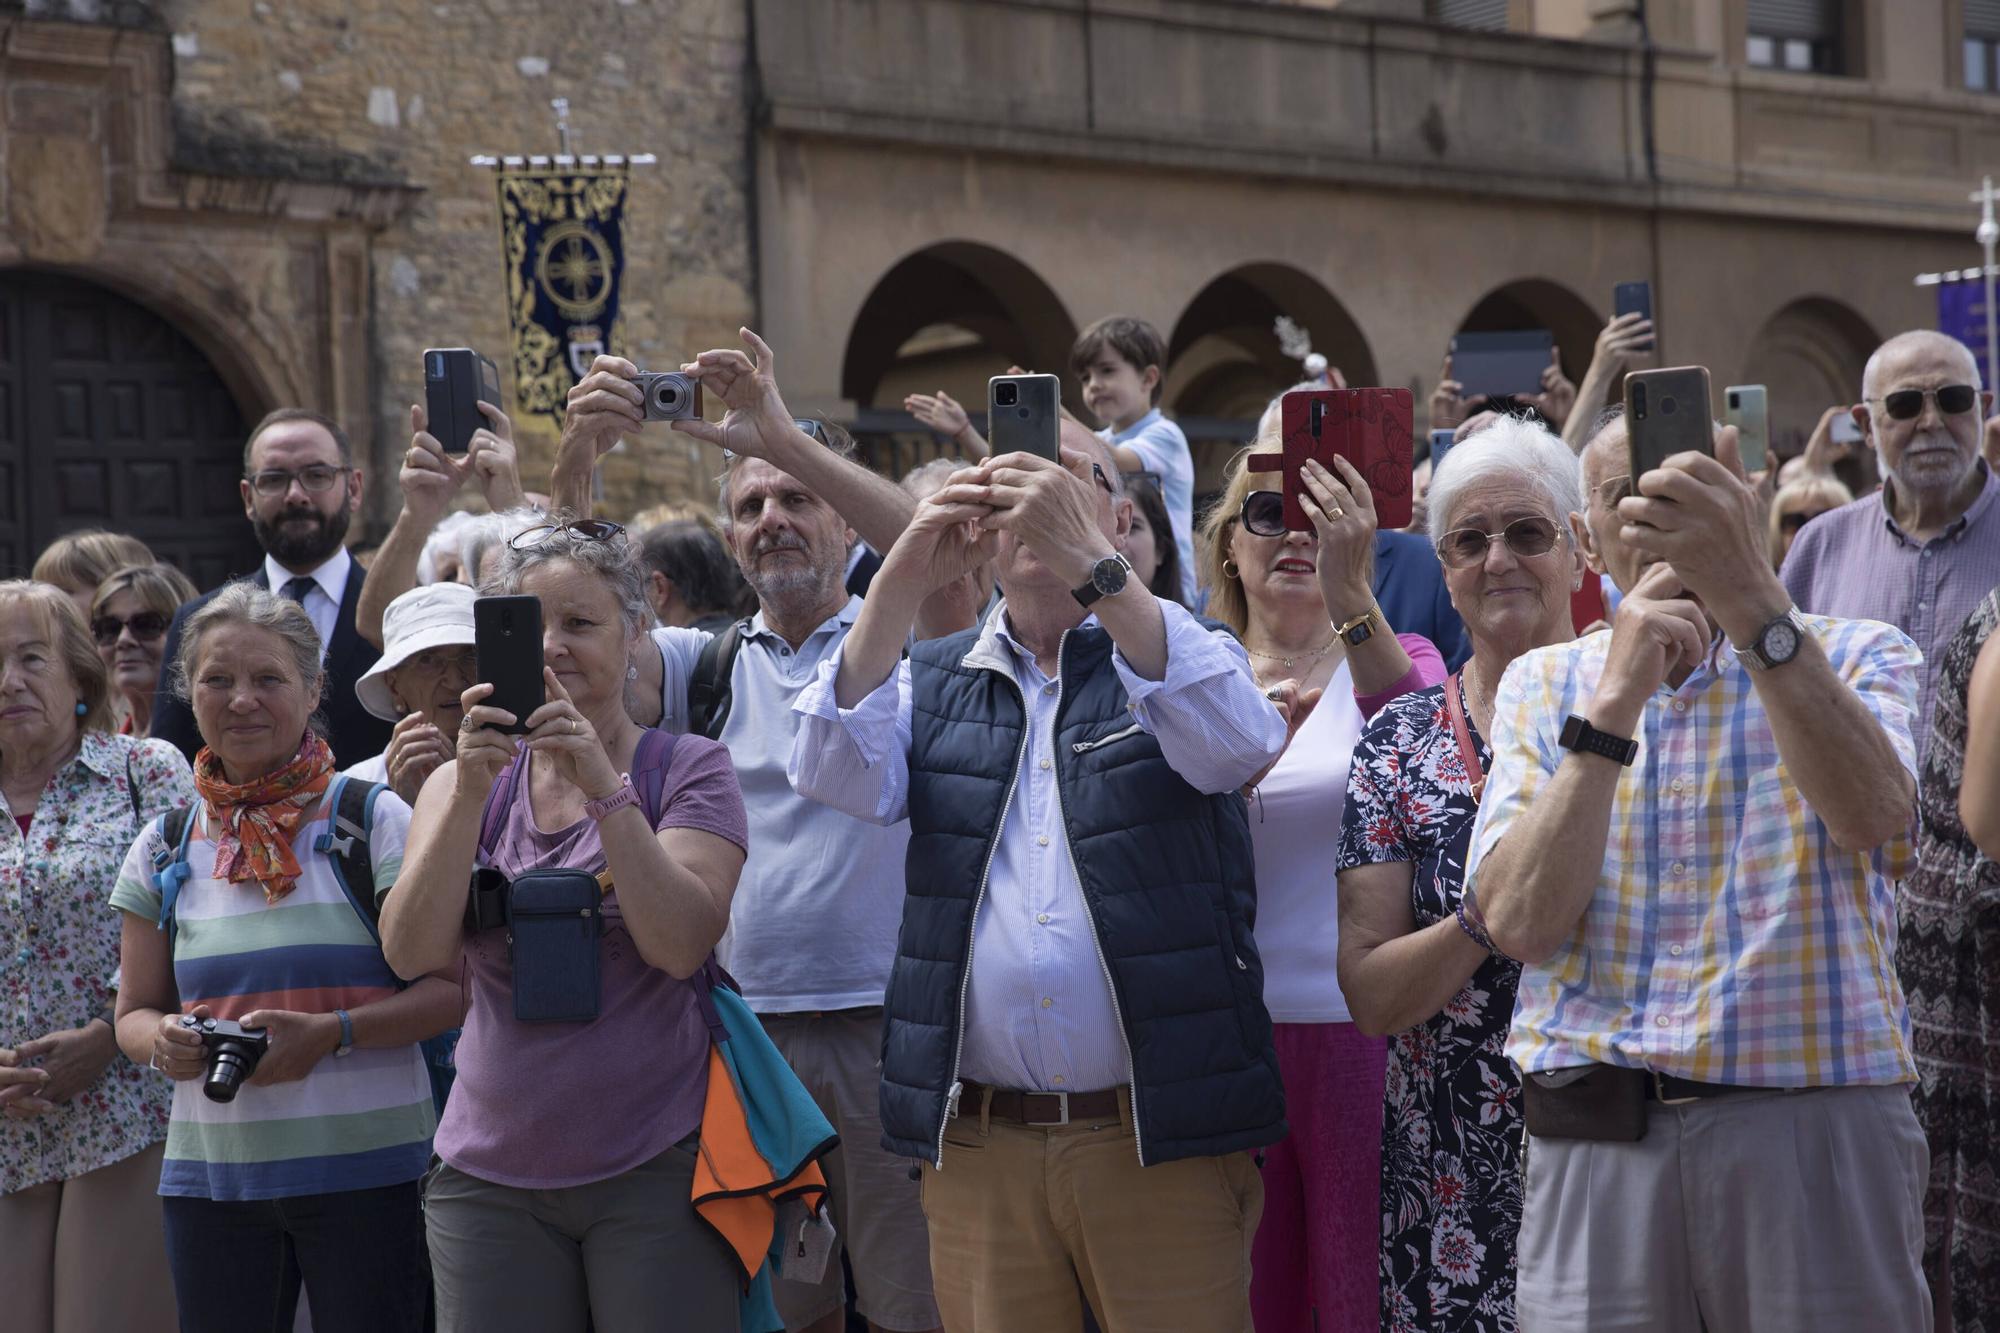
1411	964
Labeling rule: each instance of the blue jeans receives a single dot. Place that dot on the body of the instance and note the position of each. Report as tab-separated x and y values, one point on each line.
361	1255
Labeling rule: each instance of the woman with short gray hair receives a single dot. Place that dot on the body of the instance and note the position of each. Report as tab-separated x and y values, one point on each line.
1415	962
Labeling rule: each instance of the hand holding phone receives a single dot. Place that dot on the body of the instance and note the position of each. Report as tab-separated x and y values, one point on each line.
1634	298
1024	415
1370	428
1666	413
456	381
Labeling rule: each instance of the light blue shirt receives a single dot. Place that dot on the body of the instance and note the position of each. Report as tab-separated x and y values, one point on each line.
1039	1014
813	924
1165	450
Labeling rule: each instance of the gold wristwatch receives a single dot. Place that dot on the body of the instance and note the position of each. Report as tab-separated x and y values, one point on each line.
1362	628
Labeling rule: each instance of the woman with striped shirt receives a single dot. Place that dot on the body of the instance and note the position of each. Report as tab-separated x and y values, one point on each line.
310	1175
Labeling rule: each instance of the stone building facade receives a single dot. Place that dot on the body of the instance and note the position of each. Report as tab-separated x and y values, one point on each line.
209	208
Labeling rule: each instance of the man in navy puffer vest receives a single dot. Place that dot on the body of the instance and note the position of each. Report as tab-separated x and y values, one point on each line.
1076	1045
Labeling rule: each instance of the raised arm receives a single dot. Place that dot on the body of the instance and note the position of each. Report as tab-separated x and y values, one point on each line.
429	479
1623	339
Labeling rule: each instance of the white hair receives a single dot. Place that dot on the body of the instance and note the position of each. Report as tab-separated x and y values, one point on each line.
479	538
444	539
1512	449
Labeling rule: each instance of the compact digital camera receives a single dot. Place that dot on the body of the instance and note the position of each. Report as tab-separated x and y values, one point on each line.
233	1052
669	395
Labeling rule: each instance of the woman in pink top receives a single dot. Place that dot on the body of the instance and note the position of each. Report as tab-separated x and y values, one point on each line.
567	1146
1287	595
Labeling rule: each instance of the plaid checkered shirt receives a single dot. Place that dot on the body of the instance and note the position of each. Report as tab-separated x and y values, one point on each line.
1729	939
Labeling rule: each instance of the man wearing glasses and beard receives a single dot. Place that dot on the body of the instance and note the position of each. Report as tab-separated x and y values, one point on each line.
1920	553
300	490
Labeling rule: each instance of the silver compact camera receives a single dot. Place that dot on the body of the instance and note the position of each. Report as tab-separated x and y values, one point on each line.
669	395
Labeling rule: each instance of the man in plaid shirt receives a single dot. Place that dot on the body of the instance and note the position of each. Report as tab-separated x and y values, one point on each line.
1689	837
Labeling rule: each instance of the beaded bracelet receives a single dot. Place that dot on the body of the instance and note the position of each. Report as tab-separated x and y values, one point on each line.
1474	927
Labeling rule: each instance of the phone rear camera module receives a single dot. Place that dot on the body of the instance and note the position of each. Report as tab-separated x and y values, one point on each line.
1006	395
1639	401
1735	401
435	364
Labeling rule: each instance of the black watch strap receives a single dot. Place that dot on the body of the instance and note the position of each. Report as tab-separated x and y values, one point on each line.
1580	736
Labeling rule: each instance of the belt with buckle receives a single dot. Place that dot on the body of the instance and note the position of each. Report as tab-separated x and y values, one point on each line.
1669	1090
1041	1110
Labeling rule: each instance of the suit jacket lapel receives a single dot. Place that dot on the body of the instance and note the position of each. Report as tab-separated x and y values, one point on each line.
347	643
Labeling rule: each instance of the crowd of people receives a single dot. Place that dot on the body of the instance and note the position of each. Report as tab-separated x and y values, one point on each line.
1016	897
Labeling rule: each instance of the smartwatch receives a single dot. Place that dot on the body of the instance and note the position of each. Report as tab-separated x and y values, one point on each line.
617	800
1107	579
1580	736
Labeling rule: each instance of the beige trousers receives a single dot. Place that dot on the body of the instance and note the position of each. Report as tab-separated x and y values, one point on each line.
89	1254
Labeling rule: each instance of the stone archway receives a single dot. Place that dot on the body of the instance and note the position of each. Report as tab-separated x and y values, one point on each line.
1538	303
111	417
1809	356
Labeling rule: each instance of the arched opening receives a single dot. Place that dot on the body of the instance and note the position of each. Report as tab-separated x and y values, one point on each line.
947	317
1537	303
1809	356
1225	360
111	417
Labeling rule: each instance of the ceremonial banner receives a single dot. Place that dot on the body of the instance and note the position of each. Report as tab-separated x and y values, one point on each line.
1961	312
562	231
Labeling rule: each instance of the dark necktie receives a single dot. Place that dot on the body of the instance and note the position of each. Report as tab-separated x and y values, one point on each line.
297	588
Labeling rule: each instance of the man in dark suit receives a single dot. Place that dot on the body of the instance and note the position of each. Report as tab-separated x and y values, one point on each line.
300	491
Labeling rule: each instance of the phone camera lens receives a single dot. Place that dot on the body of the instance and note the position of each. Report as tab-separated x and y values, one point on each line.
436	362
1735	401
1639	401
1006	395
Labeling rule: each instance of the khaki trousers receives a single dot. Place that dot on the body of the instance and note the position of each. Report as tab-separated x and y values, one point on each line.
1020	1217
88	1255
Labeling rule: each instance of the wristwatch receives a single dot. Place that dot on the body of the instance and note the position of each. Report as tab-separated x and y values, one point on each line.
1777	643
346	1046
626	795
1580	736
1107	579
1361	629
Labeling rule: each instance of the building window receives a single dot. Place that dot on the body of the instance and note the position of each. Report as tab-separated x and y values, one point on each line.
1982	45
1797	36
1487	15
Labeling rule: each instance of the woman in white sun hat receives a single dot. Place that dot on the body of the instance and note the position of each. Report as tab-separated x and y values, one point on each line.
427	663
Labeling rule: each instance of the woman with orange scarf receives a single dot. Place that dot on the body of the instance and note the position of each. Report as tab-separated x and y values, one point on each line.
308	1175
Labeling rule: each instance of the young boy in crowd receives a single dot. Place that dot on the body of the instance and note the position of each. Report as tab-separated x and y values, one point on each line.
1121	361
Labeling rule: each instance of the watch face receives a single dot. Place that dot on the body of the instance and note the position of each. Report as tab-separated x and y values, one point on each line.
1781	642
1108	576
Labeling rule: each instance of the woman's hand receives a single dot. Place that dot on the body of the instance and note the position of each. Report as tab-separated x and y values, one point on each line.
1624	339
482	749
430	476
70	1061
1447	400
490	456
298	1042
416	750
1342	510
561	732
1558	396
177	1052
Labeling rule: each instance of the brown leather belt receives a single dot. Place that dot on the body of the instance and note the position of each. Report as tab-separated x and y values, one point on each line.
1039	1109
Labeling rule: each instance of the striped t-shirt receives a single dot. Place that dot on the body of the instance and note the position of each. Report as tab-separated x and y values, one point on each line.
359	1122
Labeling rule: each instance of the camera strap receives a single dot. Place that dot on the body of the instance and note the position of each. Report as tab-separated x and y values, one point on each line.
1468	753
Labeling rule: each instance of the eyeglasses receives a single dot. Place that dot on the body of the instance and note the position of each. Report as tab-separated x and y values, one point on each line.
1613	489
1908	404
582	529
147	625
1462	548
275	481
1263	514
1798	518
1097	471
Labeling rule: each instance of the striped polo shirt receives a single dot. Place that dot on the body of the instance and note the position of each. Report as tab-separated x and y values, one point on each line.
359	1122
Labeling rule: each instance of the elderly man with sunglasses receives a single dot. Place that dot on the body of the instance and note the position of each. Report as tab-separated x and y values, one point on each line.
1077	1047
1920	553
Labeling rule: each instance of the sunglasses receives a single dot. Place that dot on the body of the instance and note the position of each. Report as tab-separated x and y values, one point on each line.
1462	548
147	625
582	529
1797	519
1263	514
1908	404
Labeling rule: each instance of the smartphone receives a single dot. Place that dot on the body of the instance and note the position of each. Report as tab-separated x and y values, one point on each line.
1024	415
1747	407
1502	365
456	381
1845	429
507	637
1634	298
1666	413
1440	446
1370	428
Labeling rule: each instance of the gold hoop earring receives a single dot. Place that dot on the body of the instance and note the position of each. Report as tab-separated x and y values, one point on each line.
1229	570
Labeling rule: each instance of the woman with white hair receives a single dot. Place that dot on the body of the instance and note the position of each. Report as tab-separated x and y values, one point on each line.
1415	962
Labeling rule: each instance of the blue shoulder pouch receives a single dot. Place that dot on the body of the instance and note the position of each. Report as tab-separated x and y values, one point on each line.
554	919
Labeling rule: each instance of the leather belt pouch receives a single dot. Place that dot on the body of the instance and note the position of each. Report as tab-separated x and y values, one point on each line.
554	920
1597	1102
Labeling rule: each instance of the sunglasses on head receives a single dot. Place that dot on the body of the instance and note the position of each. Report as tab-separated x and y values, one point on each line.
582	529
1461	548
146	625
1263	514
1908	404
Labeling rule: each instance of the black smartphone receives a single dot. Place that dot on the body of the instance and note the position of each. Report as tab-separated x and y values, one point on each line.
1667	413
1024	415
507	636
1634	298
456	381
1501	365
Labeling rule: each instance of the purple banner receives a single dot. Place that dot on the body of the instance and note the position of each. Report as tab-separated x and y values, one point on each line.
1961	312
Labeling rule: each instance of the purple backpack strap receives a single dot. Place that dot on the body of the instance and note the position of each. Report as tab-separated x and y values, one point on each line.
649	769
497	801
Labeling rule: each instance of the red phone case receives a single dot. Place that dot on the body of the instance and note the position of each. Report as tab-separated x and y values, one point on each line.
1370	428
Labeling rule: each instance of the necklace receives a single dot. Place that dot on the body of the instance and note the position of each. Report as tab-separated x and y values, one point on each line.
1286	662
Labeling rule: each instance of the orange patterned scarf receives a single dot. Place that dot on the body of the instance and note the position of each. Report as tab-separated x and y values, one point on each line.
252	823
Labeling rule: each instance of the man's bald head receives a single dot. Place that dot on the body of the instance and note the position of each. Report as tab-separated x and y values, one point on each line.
1917	350
1604	454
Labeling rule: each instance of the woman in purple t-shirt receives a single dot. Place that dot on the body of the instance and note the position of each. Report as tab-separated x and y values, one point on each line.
568	1147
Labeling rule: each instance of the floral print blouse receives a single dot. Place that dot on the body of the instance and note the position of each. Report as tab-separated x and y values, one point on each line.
59	949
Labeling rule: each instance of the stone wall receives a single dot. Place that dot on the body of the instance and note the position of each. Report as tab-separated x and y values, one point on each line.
408	89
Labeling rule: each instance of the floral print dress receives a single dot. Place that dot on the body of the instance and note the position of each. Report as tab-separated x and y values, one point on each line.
59	949
1451	1123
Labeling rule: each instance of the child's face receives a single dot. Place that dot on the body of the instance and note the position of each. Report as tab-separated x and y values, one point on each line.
1116	392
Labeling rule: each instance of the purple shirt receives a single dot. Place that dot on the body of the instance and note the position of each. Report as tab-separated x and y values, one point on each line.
1856	564
548	1105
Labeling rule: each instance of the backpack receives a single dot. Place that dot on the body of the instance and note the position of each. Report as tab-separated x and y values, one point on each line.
708	689
347	835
